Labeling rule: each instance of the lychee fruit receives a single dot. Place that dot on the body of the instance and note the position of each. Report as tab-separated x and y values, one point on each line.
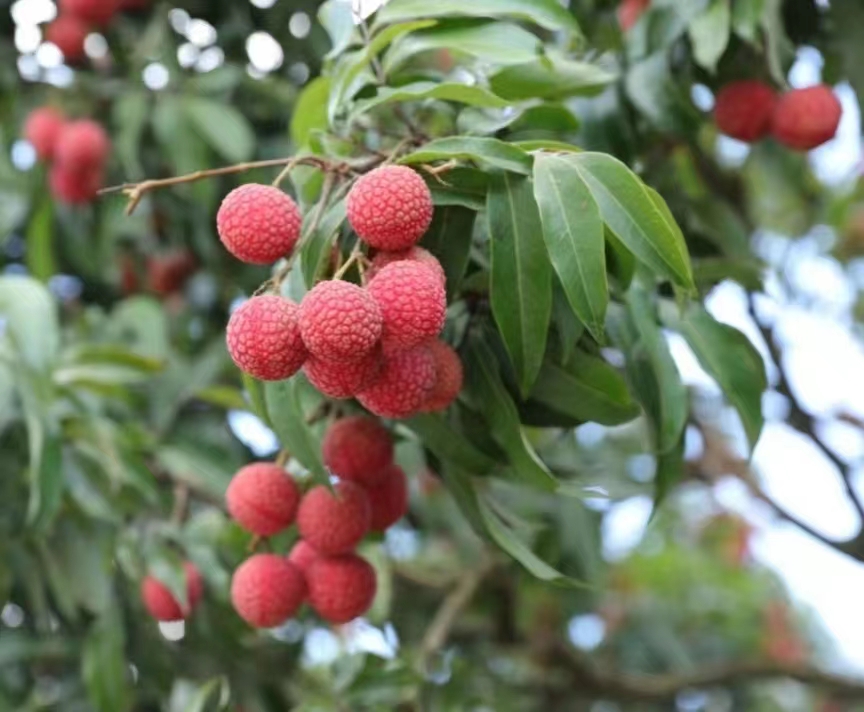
743	110
160	602
629	12
343	379
406	381
68	33
413	303
267	590
449	375
388	499
302	555
358	448
95	12
74	187
340	321
390	208
258	224
341	588
334	522
42	129
264	338
167	273
806	118
414	254
82	146
263	499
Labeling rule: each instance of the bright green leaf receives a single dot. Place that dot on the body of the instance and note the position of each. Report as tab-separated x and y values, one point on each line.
485	152
310	112
41	262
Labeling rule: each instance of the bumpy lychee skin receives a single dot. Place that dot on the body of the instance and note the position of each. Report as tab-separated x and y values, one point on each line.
160	602
341	588
74	187
82	146
413	303
806	118
415	254
449	375
302	555
334	522
42	129
68	34
95	12
388	499
258	224
343	379
263	499
264	338
267	590
743	110
340	321
405	383
390	208
359	449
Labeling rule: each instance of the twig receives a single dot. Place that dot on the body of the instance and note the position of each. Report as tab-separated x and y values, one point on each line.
283	174
181	503
282	458
355	256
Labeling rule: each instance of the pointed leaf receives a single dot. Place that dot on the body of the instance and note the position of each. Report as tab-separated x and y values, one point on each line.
285	404
449	444
485	152
31	317
418	91
224	127
103	664
449	239
543	78
316	246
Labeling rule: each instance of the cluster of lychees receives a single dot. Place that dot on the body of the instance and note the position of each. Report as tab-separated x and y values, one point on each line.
377	343
370	495
76	150
78	18
801	119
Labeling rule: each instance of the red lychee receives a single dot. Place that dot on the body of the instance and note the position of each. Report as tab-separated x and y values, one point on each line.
302	555
167	273
258	224
388	499
743	110
264	338
341	588
82	146
42	129
806	118
334	522
405	383
413	303
449	375
358	448
629	12
414	254
343	379
267	590
68	33
390	208
160	602
95	12
340	321
263	499
74	187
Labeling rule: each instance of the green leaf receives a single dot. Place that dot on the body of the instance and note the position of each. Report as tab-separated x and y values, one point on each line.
450	445
485	152
103	664
255	392
587	389
41	262
198	466
502	416
112	354
465	187
130	114
573	231
644	226
226	397
546	78
449	239
46	485
728	356
337	18
669	472
224	127
544	144
32	323
460	485
216	690
310	112
288	416
521	274
709	33
546	13
495	42
418	91
316	246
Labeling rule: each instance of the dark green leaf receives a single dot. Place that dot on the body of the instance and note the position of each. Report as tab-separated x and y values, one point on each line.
550	79
255	392
46	485
449	445
485	152
316	246
103	664
466	187
521	274
669	472
449	239
630	211
418	91
573	231
285	404
225	128
41	262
